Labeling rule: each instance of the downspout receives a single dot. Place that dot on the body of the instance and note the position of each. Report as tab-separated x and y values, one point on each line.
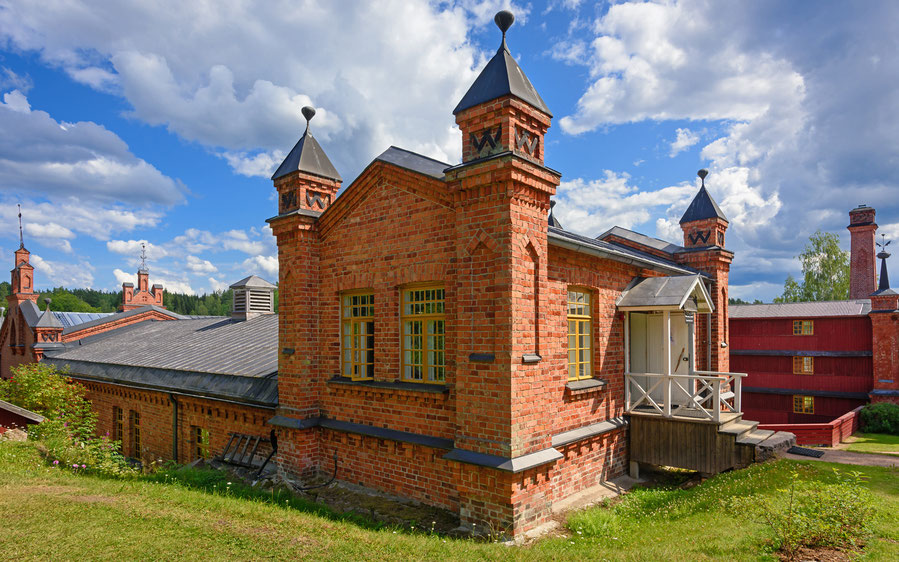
174	427
708	341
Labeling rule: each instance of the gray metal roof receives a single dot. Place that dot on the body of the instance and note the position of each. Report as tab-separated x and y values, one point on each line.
253	282
214	357
409	160
859	307
617	252
27	414
307	156
120	315
502	76
30	312
702	207
69	319
665	292
648	241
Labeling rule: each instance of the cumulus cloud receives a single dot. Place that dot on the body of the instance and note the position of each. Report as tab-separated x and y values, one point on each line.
200	266
76	275
84	159
266	264
684	140
236	83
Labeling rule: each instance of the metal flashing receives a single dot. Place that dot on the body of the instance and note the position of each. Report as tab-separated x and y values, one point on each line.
481	357
505	154
518	464
393	385
592	430
301	212
531	358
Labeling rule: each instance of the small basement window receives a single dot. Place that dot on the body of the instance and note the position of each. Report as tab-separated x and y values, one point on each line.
803	327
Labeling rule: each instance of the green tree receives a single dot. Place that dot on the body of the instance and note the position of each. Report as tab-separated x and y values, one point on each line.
825	272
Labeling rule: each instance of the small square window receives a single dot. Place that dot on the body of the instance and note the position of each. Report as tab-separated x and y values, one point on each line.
804	404
803	327
803	365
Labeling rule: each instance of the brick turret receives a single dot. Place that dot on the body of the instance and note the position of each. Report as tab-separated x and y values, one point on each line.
306	180
704	225
862	229
144	295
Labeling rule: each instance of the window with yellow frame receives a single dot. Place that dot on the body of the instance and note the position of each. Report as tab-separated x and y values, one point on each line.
804	404
580	335
803	365
424	334
803	327
358	329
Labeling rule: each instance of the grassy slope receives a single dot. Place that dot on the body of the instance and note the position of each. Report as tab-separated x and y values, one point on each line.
51	513
874	443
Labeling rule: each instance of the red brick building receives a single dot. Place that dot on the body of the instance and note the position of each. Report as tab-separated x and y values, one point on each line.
450	343
812	362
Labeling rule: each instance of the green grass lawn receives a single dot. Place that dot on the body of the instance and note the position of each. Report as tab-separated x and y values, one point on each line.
50	513
880	443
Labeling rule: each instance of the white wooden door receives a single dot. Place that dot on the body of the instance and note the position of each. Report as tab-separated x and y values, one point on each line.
680	358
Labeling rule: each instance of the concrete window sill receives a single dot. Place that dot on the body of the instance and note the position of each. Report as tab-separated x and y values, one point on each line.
392	385
585	386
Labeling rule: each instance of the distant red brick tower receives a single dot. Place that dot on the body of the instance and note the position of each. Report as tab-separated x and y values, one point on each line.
144	295
862	229
704	225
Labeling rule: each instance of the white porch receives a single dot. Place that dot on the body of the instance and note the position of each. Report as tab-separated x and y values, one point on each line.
661	378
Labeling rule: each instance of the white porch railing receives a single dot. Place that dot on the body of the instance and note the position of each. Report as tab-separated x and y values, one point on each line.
703	395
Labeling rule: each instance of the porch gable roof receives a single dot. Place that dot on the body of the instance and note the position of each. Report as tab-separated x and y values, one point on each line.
666	293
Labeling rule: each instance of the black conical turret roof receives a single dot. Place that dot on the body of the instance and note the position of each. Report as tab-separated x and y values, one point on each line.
502	76
703	206
307	156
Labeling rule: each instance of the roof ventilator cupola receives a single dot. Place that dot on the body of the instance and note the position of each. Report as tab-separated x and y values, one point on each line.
253	296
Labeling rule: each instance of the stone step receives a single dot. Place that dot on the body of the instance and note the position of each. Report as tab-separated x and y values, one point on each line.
738	427
754	437
780	441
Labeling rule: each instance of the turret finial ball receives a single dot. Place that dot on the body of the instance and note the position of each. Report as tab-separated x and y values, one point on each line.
308	113
504	20
702	173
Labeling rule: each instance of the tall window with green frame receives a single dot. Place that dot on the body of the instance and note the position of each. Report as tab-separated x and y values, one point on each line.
424	335
580	334
358	359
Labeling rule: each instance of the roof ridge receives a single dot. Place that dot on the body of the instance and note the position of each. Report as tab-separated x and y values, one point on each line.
420	155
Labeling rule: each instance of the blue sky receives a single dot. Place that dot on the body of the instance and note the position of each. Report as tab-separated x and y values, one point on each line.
161	122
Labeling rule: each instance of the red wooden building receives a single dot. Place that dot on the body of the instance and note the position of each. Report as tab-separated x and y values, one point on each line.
812	362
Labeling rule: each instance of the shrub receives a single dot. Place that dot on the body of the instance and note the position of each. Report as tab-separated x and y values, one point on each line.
882	417
834	514
68	431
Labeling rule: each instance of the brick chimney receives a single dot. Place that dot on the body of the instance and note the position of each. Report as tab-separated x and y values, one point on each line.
862	229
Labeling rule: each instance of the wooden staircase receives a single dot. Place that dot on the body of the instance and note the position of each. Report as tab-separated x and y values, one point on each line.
700	444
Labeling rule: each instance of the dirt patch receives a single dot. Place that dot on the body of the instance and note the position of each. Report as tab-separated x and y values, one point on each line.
821	555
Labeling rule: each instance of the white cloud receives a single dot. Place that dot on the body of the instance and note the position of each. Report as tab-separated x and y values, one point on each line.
267	264
236	82
48	230
684	140
217	285
199	266
133	248
75	160
73	275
